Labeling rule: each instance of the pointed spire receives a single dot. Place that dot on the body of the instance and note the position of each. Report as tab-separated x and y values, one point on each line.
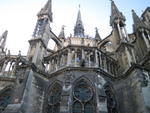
137	22
44	19
3	39
79	29
115	14
47	10
62	33
97	36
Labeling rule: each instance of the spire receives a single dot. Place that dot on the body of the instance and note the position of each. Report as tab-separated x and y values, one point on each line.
47	10
44	19
97	36
3	39
116	14
137	22
62	33
79	29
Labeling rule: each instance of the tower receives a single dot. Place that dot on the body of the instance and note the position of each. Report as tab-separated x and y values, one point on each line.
117	21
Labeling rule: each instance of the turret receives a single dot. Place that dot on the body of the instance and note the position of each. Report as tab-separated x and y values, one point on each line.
79	28
44	19
62	33
117	21
97	36
116	16
138	24
3	40
42	34
142	30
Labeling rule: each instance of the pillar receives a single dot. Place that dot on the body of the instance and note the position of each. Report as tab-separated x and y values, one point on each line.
118	26
69	57
96	59
145	39
133	55
50	66
89	60
128	56
75	59
125	30
4	66
83	54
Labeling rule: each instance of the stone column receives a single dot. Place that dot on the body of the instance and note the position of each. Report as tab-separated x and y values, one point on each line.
105	64
4	66
69	57
83	54
63	60
56	64
96	59
125	30
50	66
89	60
133	55
75	59
145	39
148	34
118	26
100	59
128	56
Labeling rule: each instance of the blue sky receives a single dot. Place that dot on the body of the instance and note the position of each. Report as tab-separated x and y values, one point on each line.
19	17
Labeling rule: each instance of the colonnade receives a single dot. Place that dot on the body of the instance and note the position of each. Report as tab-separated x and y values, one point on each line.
81	57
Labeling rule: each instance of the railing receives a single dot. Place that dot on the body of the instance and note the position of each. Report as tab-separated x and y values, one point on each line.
77	56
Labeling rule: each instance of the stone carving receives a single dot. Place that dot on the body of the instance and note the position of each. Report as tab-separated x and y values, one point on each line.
146	78
67	84
101	81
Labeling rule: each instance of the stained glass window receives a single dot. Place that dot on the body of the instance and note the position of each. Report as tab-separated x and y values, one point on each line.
5	99
83	98
77	107
88	108
54	98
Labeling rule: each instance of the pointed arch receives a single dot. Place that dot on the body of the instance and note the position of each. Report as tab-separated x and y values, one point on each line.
5	97
83	96
54	97
85	78
111	99
77	107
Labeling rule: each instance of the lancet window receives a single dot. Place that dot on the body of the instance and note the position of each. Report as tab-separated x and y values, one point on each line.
54	98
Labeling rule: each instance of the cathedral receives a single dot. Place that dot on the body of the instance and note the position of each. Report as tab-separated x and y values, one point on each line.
81	74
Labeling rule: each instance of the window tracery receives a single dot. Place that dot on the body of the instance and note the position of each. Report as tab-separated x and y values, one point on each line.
5	98
54	98
111	102
83	98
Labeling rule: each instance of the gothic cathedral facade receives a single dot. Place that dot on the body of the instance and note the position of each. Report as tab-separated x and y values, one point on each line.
81	74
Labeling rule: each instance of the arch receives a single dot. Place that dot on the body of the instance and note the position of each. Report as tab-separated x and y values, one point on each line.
111	99
54	97
104	42
77	107
5	97
83	96
83	77
89	108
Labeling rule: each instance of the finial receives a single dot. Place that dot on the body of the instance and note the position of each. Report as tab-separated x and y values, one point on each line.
79	6
132	10
19	53
96	29
63	27
8	52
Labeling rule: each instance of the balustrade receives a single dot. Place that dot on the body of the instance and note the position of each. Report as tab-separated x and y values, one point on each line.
81	57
